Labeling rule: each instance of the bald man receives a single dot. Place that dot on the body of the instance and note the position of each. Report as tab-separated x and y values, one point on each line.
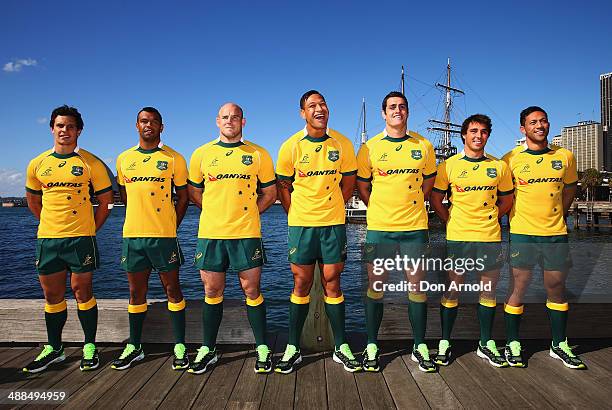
232	181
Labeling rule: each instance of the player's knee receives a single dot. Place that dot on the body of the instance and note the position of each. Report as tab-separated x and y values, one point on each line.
214	291
82	292
138	296
332	288
302	286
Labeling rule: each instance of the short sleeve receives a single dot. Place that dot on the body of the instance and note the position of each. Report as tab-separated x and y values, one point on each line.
284	166
33	185
349	161
120	180
571	173
99	177
430	162
364	167
196	178
441	184
505	185
179	179
266	169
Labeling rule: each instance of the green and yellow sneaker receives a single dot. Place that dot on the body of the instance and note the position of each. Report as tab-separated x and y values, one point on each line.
345	356
512	352
491	353
129	355
371	361
90	360
180	361
290	358
443	357
204	358
47	357
421	356
263	364
564	353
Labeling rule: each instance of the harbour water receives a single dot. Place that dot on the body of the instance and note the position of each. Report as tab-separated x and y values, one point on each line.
589	280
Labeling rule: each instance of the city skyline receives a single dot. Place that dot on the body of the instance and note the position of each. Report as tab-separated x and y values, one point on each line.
111	60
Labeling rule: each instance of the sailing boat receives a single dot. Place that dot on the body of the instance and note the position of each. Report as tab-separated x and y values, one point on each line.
355	209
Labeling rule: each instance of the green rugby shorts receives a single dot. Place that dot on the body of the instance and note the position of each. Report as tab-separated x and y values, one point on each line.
160	254
77	255
218	255
324	244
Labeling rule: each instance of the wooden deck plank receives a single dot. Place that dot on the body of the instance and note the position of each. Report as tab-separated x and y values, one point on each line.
218	389
521	381
279	390
310	391
135	378
403	388
342	392
373	391
8	354
10	372
432	385
490	380
250	386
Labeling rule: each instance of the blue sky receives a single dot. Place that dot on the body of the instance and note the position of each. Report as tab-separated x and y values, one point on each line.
109	59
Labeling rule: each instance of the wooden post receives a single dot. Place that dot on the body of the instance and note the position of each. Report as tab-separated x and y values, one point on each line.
317	335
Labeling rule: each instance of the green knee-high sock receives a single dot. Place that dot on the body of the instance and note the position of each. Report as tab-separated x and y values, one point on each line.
512	321
448	314
88	316
55	318
212	314
417	312
374	313
298	310
557	314
486	315
256	312
137	314
335	310
177	316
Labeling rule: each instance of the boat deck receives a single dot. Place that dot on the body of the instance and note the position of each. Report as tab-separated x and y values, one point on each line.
319	382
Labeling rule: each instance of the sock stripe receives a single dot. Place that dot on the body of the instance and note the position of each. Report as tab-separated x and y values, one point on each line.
333	301
255	302
300	300
513	310
91	303
56	308
488	302
449	303
372	294
176	307
563	307
213	300
417	297
137	308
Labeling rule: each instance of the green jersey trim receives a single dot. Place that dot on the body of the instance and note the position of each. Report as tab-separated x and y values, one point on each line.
267	184
195	184
148	151
64	156
279	176
316	139
430	175
503	193
438	190
538	152
229	144
108	188
362	179
349	173
400	139
180	187
33	191
571	184
465	157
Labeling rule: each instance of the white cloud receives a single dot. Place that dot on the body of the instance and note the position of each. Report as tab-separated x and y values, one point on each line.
17	64
42	120
12	182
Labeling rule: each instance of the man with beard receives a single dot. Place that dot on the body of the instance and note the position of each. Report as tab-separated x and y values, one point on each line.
316	168
147	175
224	177
545	180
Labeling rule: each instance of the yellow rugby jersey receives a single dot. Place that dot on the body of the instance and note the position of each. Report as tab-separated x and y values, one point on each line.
148	177
64	181
539	178
473	186
316	166
396	167
229	174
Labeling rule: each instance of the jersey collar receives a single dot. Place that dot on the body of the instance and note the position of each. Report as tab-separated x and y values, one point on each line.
388	138
64	156
465	157
230	144
536	152
150	151
315	139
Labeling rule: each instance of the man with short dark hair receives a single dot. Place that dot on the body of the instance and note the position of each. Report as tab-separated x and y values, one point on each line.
148	175
396	171
224	178
58	185
545	179
479	186
316	168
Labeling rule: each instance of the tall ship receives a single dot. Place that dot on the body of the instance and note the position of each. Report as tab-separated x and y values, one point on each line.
443	130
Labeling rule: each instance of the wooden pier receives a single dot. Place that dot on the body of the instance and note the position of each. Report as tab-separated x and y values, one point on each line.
590	214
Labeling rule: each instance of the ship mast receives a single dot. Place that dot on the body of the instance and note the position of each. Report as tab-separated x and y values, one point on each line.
364	133
402	82
445	148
